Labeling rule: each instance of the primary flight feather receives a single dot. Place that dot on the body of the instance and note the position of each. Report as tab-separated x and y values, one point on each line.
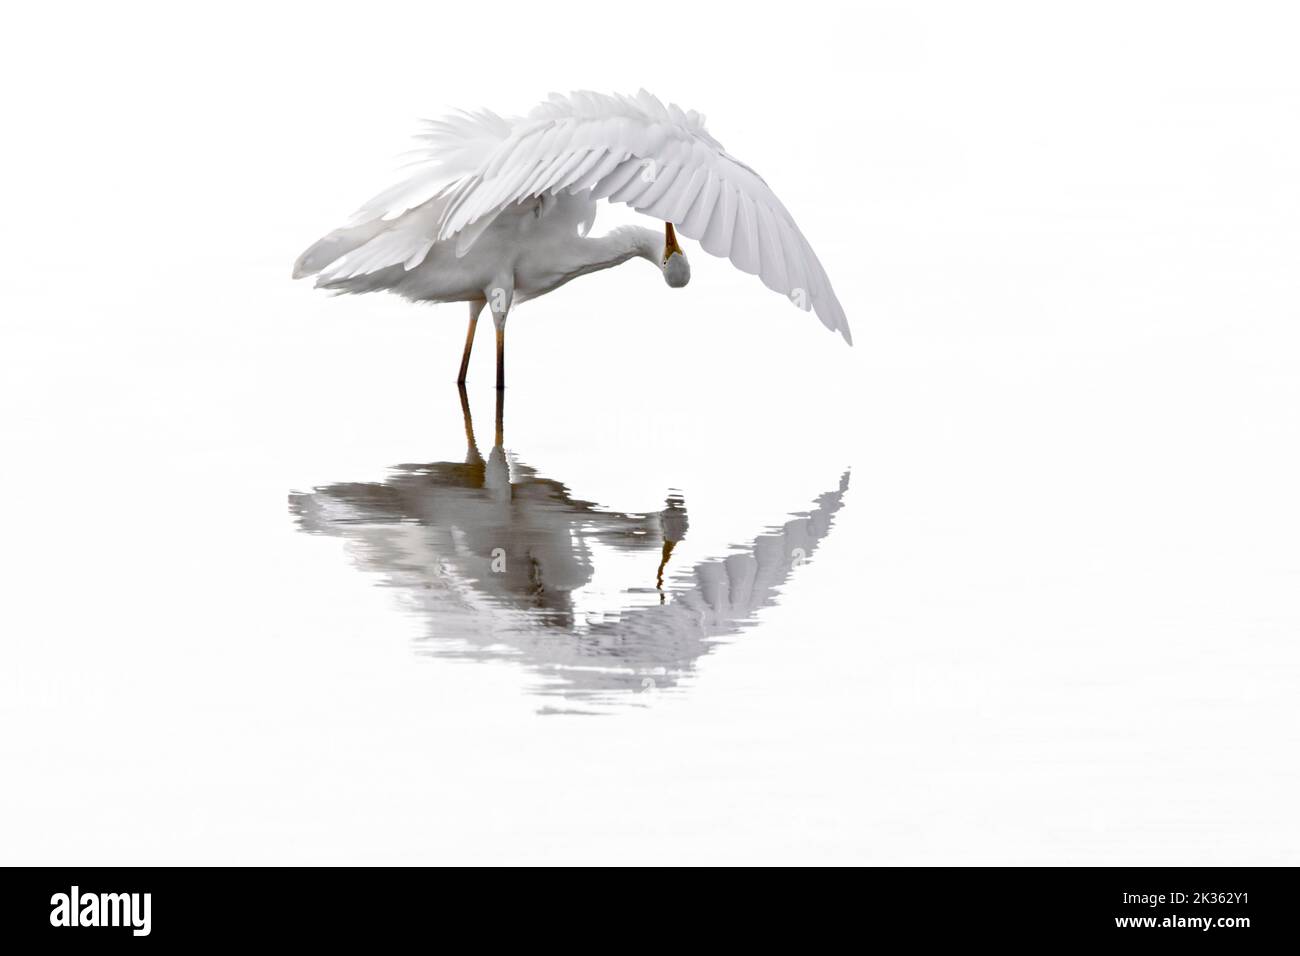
496	211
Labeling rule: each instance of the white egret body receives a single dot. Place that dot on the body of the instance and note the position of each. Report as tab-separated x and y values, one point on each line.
498	211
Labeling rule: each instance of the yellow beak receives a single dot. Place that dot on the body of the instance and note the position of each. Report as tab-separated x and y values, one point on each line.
670	241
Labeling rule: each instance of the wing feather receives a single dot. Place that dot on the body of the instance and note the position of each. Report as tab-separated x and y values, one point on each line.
744	247
682	195
772	268
696	218
716	238
594	157
658	159
617	179
612	161
636	187
648	201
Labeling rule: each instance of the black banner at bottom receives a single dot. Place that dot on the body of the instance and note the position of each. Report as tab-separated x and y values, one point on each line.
136	907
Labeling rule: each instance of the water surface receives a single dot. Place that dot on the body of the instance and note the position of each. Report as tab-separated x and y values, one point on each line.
497	559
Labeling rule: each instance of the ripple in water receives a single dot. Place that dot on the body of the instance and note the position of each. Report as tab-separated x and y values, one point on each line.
498	561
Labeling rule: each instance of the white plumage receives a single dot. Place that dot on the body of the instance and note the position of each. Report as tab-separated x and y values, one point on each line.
497	211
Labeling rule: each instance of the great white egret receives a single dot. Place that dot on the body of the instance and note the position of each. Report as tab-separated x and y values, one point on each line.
497	211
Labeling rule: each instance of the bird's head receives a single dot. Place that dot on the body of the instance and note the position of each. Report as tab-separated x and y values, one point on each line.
677	271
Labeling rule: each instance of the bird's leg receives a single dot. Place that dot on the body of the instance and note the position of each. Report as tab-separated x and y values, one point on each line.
501	417
666	553
474	309
501	358
500	321
672	522
469	420
499	296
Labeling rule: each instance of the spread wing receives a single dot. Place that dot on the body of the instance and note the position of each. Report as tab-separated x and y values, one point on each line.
658	159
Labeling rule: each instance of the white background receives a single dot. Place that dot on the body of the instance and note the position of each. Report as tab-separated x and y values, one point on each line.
1056	621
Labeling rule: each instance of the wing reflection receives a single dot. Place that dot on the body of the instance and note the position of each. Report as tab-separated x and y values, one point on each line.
501	562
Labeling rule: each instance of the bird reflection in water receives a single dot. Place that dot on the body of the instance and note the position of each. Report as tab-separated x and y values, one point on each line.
500	562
